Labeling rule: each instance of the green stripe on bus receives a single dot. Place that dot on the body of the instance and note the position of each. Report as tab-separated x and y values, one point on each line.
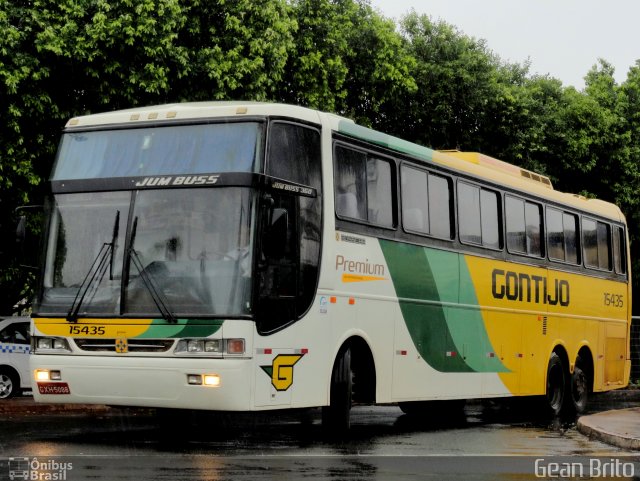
468	329
449	337
160	329
384	140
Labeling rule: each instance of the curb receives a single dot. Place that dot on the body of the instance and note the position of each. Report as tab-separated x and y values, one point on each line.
619	428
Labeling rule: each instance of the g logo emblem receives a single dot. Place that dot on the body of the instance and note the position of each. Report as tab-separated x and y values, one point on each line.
281	370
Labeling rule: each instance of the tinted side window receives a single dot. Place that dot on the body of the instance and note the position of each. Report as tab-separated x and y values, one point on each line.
596	244
479	216
562	240
555	234
490	213
533	220
379	192
426	203
619	250
288	280
570	223
469	213
294	154
514	213
351	183
364	187
524	222
440	206
415	200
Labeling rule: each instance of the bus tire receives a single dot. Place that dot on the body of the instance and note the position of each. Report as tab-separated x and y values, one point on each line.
9	384
556	385
336	417
579	389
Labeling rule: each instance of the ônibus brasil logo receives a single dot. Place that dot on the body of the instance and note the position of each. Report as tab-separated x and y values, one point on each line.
36	470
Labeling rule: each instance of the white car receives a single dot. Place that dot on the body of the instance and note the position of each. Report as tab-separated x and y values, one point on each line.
14	356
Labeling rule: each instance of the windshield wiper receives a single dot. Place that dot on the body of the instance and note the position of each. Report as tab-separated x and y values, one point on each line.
158	297
96	271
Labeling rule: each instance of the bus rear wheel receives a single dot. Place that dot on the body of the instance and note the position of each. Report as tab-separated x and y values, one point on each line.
579	390
556	385
336	417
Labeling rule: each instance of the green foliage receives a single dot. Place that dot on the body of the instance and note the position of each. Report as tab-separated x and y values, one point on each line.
422	80
348	60
456	77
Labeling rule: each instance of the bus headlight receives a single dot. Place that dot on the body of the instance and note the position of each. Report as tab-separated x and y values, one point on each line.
47	375
50	344
211	380
210	347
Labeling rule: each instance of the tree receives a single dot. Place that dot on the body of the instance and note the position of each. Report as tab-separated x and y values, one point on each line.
62	58
349	60
316	72
456	76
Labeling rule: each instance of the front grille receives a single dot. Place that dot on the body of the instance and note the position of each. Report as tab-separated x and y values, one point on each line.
133	345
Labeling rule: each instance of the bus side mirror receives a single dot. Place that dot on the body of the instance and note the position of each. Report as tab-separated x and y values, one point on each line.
21	230
28	234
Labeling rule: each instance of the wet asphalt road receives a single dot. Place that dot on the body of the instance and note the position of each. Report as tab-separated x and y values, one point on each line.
486	441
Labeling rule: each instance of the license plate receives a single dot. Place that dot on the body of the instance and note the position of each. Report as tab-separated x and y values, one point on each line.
53	388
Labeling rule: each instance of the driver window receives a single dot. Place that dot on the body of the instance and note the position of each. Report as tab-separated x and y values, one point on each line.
290	245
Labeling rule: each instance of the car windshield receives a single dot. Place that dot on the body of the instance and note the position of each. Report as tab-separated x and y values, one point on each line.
113	253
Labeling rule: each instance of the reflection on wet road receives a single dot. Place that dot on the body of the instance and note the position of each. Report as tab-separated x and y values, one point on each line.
486	441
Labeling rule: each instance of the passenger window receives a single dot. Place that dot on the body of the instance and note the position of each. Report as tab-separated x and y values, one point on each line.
426	203
479	216
469	213
351	183
596	244
490	216
516	239
440	206
562	241
415	200
524	221
619	250
533	220
379	192
364	187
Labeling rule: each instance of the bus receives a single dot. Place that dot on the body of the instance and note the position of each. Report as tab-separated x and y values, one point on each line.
236	256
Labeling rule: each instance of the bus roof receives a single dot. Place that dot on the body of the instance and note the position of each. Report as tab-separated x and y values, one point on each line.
472	163
192	111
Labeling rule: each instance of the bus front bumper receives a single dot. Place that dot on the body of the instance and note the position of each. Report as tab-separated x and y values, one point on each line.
225	384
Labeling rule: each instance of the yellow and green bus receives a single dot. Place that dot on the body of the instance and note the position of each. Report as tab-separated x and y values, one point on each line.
239	256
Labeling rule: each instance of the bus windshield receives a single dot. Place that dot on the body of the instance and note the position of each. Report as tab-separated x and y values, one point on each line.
176	149
109	251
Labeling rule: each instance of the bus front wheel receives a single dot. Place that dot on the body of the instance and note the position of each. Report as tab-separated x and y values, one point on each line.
336	417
